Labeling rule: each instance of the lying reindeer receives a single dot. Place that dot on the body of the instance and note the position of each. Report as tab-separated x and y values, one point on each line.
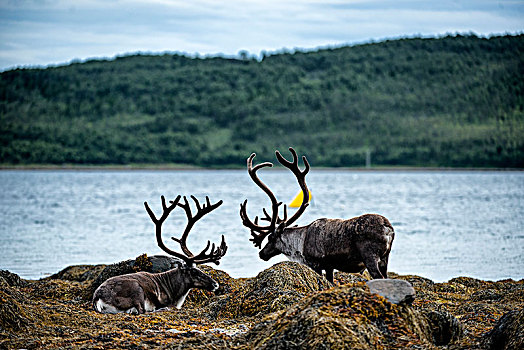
326	244
141	292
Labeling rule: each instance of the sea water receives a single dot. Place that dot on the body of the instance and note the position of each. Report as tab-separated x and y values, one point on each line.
447	223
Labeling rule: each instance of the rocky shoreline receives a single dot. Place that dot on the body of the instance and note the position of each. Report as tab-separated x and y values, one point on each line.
287	306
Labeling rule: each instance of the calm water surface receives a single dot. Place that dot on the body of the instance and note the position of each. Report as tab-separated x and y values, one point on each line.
447	224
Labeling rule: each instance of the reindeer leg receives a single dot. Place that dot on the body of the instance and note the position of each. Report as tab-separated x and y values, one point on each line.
329	275
141	308
372	266
371	259
315	268
383	266
371	262
138	306
318	270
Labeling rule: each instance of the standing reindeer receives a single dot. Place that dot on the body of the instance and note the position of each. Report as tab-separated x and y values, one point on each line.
325	244
141	292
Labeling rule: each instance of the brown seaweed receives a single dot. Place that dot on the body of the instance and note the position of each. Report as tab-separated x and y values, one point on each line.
285	305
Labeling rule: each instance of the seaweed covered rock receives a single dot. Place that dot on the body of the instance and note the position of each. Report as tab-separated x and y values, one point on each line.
78	273
444	327
476	303
13	315
289	276
508	333
225	285
341	278
12	279
308	313
282	285
57	289
273	289
347	317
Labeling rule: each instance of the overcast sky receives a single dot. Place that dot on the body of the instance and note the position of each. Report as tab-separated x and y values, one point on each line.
46	32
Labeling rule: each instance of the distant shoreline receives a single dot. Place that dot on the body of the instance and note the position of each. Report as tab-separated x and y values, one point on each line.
185	167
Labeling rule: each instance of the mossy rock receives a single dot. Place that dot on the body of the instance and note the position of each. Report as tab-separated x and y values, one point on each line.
275	288
469	282
12	292
508	333
289	276
346	317
13	316
16	308
416	281
341	278
225	285
296	308
445	328
486	295
56	289
78	273
513	295
12	279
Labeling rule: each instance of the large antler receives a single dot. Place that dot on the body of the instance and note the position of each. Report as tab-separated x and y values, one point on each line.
301	178
263	231
259	232
214	255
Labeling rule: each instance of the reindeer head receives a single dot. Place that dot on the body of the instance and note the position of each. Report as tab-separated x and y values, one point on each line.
277	225
274	243
199	279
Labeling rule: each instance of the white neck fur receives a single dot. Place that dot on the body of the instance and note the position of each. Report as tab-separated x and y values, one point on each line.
292	244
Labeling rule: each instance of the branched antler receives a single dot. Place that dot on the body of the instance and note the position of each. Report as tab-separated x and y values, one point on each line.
259	232
210	253
301	178
262	231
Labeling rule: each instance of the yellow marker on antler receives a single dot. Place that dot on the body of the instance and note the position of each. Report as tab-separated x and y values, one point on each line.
297	202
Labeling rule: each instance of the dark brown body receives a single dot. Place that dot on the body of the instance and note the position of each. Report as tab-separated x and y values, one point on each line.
334	244
141	292
325	244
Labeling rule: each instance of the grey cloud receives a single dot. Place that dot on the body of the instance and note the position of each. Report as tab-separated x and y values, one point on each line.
43	32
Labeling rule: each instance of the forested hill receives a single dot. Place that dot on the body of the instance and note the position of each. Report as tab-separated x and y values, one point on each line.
451	101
